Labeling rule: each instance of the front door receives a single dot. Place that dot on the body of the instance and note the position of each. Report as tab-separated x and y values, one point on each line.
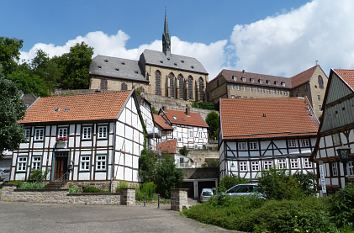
61	165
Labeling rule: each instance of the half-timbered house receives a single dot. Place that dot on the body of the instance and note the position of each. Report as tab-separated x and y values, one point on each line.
189	128
88	137
258	134
336	130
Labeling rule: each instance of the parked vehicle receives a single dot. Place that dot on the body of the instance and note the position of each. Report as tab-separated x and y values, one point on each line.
5	175
206	194
244	190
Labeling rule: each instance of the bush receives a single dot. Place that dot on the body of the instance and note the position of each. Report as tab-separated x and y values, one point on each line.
92	189
31	185
276	184
122	185
229	181
74	188
17	183
146	191
307	183
204	105
37	176
342	206
212	120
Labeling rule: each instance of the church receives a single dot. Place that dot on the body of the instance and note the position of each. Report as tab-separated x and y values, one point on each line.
157	73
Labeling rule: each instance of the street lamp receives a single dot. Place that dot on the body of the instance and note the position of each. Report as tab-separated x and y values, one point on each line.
343	153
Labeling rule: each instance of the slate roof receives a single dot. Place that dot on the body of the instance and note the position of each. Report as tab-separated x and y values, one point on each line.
267	118
115	67
162	123
173	61
347	76
179	117
75	108
169	146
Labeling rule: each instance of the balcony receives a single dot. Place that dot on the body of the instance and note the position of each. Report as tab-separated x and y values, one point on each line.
62	142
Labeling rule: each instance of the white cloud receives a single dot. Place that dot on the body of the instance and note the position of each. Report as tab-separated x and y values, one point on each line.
210	55
291	42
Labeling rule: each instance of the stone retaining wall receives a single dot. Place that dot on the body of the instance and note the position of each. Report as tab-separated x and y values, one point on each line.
11	194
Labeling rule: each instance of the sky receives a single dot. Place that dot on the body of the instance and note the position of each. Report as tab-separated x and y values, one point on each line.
277	37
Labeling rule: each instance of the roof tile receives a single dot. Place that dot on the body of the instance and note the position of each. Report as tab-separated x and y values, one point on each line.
179	117
169	146
161	122
347	76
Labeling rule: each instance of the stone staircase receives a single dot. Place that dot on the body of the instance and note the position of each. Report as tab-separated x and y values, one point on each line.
55	185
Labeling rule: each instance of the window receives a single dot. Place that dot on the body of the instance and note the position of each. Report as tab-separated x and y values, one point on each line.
319	97
292	143
101	163
243	79
282	164
86	132
62	132
305	143
171	85
334	169
36	162
242	146
267	165
85	163
102	131
21	164
157	82
253	145
336	139
255	166
180	139
282	84
191	135
294	163
200	134
243	166
27	134
39	134
104	84
124	87
320	82
307	163
181	85
350	168
201	89
190	87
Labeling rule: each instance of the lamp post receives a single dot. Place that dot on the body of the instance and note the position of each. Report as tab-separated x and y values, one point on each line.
343	153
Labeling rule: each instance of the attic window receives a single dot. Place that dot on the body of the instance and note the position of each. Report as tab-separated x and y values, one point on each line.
161	61
234	77
175	64
267	81
56	109
260	81
275	82
192	67
99	67
283	84
105	60
137	72
168	58
116	69
243	79
66	109
252	80
182	61
123	63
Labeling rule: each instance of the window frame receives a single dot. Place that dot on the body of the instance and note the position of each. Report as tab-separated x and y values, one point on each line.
101	164
35	134
268	164
307	163
242	148
305	142
27	137
83	134
243	166
23	167
65	129
292	143
102	133
292	162
334	168
34	161
253	145
350	167
282	164
85	163
255	164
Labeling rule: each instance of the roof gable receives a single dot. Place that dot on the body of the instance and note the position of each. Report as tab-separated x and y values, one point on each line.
268	117
337	88
179	117
302	77
161	122
84	107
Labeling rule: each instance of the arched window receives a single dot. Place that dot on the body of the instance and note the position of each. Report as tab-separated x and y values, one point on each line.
190	88
124	87
180	86
320	82
157	82
104	84
172	88
201	89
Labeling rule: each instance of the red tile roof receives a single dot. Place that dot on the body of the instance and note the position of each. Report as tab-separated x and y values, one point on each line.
162	123
169	146
302	77
84	107
265	118
347	76
179	117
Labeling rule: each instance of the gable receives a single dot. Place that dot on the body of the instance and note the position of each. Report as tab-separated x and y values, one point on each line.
337	89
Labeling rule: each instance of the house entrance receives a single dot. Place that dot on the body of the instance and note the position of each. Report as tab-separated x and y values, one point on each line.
61	165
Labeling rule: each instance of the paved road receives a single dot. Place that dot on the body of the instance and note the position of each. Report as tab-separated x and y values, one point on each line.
45	218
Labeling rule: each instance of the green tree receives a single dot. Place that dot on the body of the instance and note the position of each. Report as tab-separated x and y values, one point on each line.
212	120
147	166
76	65
11	110
9	54
28	82
184	151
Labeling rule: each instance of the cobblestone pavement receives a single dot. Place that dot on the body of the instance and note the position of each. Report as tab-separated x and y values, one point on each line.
23	217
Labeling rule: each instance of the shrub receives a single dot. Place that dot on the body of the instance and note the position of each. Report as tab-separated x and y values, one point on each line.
146	191
276	184
229	181
212	120
307	182
31	185
92	189
74	188
37	176
342	206
17	183
204	105
122	185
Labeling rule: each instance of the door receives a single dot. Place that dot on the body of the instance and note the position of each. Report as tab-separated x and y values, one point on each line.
61	165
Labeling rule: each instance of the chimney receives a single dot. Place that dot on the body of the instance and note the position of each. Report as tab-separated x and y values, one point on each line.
164	108
188	110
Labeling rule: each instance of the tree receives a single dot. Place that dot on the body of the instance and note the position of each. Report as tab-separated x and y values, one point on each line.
9	54
147	166
212	120
184	151
11	110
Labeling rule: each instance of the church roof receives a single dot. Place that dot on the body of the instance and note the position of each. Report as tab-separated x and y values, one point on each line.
173	61
115	67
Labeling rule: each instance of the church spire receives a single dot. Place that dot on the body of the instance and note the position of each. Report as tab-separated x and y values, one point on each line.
166	40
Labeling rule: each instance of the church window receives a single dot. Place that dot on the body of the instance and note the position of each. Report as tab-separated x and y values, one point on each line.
157	82
124	87
190	87
180	86
320	82
201	89
171	80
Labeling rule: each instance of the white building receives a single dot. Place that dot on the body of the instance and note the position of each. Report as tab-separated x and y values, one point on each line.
188	128
88	137
257	134
337	130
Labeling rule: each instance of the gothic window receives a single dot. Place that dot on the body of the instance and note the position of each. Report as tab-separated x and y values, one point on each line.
171	81
320	82
157	82
201	89
190	88
104	84
180	86
124	87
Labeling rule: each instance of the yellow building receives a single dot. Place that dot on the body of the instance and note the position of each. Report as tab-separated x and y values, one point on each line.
158	73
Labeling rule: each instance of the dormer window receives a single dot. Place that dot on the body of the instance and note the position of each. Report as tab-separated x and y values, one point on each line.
267	81
282	84
275	82
252	80
260	81
234	78
243	79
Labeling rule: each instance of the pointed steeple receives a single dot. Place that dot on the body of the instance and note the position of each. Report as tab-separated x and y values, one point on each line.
166	40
